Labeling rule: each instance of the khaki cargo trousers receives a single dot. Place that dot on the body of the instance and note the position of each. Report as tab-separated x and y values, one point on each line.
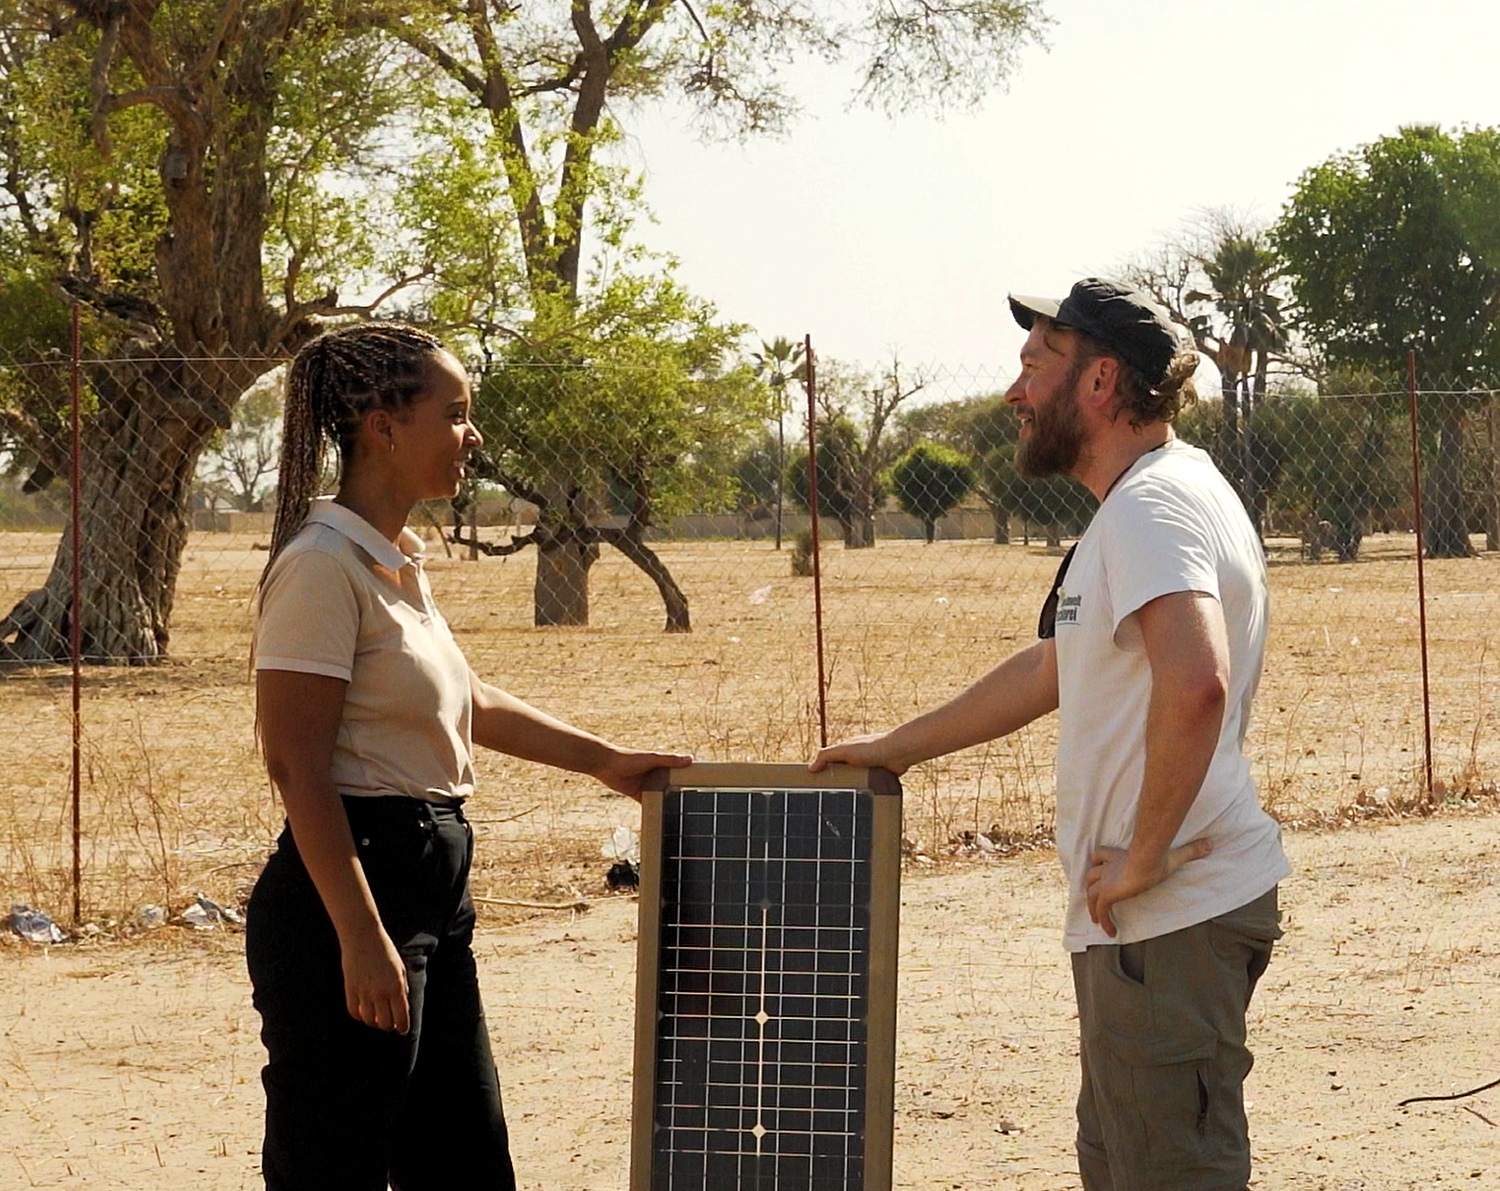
1162	1044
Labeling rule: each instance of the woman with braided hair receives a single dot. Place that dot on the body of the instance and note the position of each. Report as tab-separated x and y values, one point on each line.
359	930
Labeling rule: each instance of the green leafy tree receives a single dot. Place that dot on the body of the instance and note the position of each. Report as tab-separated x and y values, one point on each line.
1346	461
972	425
533	103
838	443
984	429
164	165
929	481
1257	453
760	477
636	404
1393	247
1057	506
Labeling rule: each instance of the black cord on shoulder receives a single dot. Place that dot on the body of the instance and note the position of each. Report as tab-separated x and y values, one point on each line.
1494	1083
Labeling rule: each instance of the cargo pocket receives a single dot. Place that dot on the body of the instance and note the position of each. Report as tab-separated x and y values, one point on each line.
1163	1091
1158	1071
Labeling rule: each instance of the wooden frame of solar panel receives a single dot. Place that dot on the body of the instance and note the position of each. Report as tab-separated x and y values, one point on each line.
765	1044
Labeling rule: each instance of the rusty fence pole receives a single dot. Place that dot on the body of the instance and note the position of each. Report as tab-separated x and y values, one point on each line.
1416	496
1492	510
817	537
75	608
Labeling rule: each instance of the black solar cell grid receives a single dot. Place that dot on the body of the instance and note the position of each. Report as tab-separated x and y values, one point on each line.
763	990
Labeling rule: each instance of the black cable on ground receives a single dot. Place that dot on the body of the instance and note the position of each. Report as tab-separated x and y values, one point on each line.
1494	1083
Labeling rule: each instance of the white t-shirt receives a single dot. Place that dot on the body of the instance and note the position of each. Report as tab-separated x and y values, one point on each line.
343	601
1171	524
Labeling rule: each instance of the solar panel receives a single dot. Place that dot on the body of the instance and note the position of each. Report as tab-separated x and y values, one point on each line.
766	979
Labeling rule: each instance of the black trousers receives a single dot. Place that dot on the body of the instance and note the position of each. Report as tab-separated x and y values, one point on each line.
349	1107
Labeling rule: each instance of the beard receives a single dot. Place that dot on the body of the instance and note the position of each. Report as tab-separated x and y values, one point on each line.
1056	441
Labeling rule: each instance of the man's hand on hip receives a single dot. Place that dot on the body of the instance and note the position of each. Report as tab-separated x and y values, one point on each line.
1115	875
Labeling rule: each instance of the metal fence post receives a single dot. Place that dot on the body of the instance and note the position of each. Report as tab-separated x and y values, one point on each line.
1492	477
75	606
1416	495
817	537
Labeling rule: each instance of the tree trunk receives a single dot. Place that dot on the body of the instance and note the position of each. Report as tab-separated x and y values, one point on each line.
1054	535
140	453
780	466
567	549
1348	533
635	549
1231	446
1446	531
561	592
1002	525
1249	488
1262	371
861	532
929	527
1350	511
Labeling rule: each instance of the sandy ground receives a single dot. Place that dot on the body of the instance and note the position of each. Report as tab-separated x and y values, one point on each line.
175	801
136	1066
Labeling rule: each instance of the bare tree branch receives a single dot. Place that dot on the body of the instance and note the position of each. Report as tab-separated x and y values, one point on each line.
129	308
496	549
99	84
229	15
563	82
328	306
432	50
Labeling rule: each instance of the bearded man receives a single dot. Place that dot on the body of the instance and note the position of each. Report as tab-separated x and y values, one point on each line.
1150	650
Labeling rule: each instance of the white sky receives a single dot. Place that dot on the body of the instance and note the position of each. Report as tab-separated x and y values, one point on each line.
878	235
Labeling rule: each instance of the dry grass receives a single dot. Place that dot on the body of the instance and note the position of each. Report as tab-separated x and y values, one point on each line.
175	802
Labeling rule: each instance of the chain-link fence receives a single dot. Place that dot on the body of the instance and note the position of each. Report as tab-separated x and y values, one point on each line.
616	502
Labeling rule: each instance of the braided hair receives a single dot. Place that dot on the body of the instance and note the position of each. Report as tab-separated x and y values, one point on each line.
333	382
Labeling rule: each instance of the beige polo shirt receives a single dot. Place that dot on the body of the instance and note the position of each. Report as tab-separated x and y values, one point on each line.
343	601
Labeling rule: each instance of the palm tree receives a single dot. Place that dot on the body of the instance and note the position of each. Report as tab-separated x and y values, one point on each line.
1224	283
778	364
1242	274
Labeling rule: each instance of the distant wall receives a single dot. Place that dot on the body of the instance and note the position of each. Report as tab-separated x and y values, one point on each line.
962	524
958	525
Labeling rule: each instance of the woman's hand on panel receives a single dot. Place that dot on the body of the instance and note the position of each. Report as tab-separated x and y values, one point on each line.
624	770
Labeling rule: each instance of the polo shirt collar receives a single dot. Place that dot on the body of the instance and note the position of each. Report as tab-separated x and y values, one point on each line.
325	511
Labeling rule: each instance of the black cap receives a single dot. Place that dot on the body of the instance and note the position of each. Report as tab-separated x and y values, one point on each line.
1122	319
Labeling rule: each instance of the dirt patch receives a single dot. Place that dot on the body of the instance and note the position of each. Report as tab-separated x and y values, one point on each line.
136	1066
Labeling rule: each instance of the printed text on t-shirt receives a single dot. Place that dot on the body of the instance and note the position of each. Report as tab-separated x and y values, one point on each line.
1067	607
